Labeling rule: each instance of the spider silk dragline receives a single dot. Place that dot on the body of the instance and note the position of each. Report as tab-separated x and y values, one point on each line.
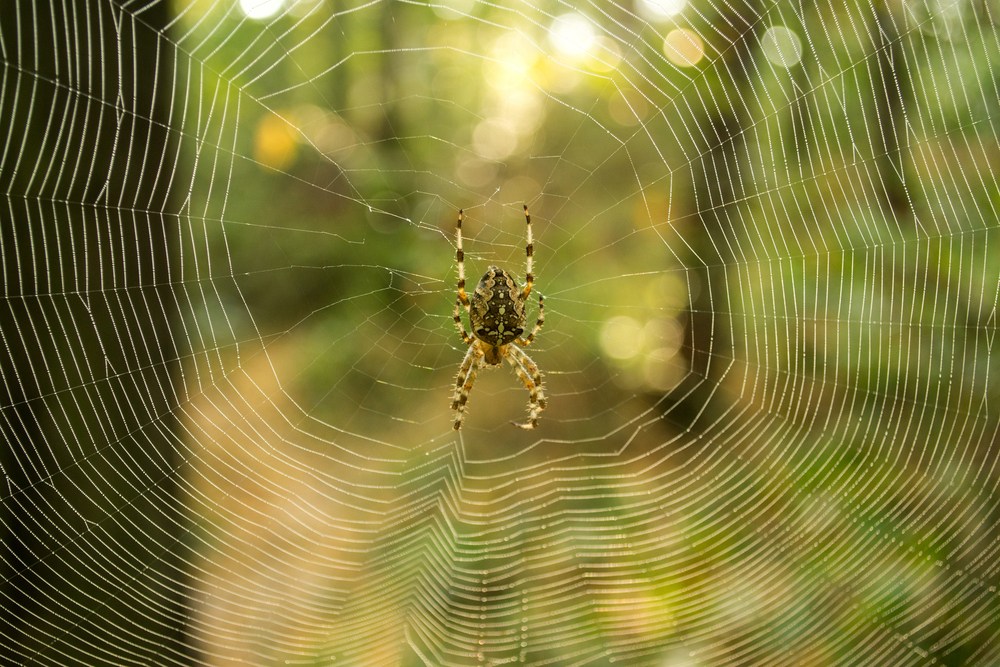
497	316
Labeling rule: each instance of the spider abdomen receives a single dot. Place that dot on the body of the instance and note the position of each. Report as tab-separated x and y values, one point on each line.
497	310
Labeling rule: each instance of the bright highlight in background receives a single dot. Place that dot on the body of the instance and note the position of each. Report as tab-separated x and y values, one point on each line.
683	48
622	337
572	34
661	9
261	9
781	46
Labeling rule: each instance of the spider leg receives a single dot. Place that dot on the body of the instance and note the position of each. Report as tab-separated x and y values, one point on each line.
529	250
466	338
463	384
538	324
525	367
460	260
531	368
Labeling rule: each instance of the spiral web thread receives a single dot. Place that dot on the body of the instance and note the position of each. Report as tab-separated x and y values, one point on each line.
766	234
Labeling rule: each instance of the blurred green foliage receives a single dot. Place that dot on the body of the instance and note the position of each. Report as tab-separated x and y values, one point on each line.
828	224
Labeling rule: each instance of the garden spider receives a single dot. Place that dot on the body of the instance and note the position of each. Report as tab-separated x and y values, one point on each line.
497	315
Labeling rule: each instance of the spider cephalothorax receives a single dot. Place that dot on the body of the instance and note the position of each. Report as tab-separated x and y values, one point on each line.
497	316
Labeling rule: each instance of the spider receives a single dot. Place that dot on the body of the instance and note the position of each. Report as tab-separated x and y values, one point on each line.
497	316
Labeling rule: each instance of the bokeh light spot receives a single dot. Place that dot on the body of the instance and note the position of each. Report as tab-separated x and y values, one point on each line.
572	34
669	291
275	143
261	9
683	48
476	172
663	369
627	107
781	46
664	333
505	73
658	10
604	55
622	337
494	139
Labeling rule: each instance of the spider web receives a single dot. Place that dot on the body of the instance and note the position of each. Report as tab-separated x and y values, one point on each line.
766	233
